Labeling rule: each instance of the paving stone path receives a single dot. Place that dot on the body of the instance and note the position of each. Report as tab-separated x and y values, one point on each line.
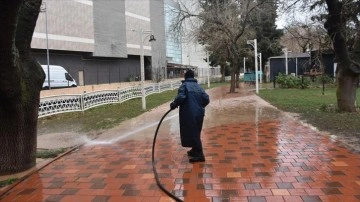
253	151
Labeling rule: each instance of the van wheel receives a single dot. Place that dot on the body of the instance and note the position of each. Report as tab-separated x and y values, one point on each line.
46	88
73	86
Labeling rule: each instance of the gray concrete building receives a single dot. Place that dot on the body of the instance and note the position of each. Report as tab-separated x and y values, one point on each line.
99	41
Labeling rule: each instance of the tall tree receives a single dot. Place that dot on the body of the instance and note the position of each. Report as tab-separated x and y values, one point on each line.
21	79
267	35
342	15
341	21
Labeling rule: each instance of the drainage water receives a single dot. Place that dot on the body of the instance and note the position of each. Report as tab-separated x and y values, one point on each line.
90	142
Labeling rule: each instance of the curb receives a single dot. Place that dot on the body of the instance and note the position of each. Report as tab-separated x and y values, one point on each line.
36	169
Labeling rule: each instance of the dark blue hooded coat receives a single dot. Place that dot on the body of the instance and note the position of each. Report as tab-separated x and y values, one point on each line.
192	100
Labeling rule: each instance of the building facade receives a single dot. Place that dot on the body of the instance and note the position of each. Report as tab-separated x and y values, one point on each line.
173	42
100	41
304	64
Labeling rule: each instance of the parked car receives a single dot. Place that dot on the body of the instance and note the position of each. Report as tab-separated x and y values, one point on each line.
59	77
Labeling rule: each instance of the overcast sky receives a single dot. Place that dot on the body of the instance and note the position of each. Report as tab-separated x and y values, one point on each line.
284	19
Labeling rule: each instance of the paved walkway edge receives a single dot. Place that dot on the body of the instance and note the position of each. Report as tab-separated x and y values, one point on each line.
25	174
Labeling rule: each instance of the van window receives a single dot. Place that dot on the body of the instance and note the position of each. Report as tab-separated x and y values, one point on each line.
68	77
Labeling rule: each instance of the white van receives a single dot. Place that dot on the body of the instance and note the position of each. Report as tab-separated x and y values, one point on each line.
59	77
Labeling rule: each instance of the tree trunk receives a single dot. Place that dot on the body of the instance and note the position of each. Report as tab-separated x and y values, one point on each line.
233	75
21	80
237	80
232	82
222	71
347	78
234	62
346	91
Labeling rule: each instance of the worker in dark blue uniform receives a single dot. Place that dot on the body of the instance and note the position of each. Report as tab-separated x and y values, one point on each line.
192	100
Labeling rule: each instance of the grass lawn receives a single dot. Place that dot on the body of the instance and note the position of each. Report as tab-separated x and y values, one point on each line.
315	108
102	117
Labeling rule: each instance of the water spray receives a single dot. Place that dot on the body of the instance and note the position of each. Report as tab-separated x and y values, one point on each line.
153	162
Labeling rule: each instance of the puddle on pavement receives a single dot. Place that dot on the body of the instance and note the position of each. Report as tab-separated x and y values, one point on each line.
224	108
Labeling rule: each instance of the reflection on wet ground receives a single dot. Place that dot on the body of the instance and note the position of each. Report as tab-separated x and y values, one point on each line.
253	153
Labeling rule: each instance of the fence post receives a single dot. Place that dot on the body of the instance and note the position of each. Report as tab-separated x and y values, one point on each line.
274	81
82	105
119	95
171	85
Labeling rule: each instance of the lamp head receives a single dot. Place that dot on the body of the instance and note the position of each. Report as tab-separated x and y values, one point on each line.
152	38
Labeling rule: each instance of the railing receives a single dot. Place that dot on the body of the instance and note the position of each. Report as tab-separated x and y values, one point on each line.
81	102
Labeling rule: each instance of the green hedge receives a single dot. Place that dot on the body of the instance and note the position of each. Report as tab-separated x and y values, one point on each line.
289	81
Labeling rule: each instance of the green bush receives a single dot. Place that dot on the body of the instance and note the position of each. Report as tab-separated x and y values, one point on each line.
324	79
304	82
289	81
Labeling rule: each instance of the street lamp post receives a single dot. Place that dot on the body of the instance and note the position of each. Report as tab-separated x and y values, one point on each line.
259	55
142	67
208	68
296	66
253	43
244	65
309	52
43	9
285	50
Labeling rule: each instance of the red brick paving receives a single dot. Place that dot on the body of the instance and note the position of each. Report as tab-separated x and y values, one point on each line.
268	161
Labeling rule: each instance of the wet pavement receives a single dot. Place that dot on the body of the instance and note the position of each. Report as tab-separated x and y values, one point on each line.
254	152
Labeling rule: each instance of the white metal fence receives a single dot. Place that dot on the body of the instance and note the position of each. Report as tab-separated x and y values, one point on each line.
80	102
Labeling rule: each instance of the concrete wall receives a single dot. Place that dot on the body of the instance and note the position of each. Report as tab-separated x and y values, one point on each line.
97	38
89	88
69	26
158	29
137	19
109	28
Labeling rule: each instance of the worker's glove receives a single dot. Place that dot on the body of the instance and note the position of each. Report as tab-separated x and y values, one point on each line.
172	106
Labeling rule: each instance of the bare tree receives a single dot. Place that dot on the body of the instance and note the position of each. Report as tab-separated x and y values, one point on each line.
158	74
158	70
298	37
305	36
223	20
217	44
21	80
308	37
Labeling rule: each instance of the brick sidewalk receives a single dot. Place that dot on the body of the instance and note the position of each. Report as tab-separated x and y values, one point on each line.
274	159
